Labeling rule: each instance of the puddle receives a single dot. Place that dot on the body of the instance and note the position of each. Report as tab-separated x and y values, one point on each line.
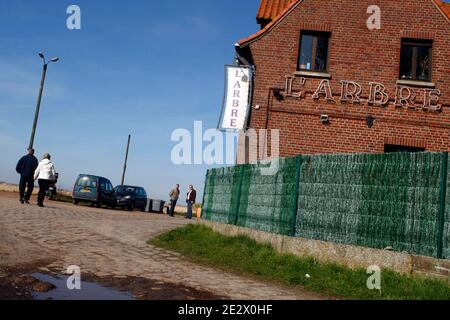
89	290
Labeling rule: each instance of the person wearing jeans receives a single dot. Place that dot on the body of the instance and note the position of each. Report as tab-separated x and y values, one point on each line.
45	174
26	167
174	196
190	200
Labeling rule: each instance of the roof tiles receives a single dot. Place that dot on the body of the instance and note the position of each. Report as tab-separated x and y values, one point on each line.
270	9
275	10
445	7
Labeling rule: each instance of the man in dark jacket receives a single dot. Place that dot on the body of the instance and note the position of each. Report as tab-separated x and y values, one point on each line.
26	167
190	200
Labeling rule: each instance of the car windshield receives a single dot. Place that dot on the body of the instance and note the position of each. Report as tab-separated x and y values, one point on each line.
125	190
87	182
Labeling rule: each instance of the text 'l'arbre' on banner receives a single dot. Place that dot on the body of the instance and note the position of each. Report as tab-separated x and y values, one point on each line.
238	83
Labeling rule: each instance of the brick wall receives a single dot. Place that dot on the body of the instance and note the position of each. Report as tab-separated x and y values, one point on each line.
356	54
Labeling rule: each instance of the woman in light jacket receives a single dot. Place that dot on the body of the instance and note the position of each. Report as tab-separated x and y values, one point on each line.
45	173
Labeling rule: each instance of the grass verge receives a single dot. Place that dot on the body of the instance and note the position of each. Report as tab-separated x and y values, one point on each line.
243	255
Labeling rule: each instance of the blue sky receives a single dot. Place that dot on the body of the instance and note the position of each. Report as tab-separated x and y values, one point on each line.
139	67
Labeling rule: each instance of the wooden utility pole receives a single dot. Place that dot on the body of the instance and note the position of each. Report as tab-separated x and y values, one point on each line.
126	160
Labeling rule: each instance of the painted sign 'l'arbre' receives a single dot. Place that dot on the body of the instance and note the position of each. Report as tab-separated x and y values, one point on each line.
236	101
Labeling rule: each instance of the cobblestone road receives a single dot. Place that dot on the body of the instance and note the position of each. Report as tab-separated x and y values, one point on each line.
110	243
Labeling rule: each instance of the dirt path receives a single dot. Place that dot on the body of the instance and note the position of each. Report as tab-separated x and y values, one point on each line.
111	246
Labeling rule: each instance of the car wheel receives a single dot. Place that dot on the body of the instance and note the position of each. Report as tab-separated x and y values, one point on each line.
131	207
99	204
75	202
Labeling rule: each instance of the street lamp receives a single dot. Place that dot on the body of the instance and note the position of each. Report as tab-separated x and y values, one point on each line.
41	89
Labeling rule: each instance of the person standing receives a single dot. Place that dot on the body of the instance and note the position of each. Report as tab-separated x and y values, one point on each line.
26	167
45	174
174	196
190	199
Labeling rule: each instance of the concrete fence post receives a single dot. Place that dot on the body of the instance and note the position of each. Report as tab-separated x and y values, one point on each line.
443	195
234	214
204	193
296	196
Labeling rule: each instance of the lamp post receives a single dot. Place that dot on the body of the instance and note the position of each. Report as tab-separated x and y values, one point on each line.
41	89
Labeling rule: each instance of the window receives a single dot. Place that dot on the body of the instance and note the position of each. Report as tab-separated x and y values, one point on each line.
87	182
416	60
389	148
313	51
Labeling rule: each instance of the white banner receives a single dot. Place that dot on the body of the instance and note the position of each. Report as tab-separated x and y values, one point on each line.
238	83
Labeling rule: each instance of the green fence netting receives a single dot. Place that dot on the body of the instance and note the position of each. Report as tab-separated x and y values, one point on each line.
329	194
221	194
378	201
446	234
267	200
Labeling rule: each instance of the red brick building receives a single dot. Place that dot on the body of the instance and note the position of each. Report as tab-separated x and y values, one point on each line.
345	76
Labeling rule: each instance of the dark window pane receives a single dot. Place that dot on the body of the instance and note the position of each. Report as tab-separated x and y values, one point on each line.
396	149
406	68
423	63
416	59
306	50
321	54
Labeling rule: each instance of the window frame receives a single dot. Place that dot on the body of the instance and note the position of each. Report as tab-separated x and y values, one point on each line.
415	43
315	34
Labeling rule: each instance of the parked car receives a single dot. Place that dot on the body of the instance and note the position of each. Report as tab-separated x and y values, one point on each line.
131	197
98	191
